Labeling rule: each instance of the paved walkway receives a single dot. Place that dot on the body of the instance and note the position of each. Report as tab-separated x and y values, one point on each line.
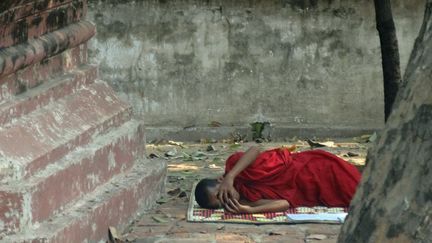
189	163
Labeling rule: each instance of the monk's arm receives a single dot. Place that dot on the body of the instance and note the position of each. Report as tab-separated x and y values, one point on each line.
247	159
226	188
260	206
266	205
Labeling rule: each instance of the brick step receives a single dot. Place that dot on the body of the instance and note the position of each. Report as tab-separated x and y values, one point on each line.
58	128
47	92
78	173
40	72
113	204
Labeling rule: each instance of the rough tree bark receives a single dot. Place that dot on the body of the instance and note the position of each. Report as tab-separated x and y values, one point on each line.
394	200
389	53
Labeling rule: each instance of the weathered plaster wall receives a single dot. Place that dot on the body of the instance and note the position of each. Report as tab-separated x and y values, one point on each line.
294	63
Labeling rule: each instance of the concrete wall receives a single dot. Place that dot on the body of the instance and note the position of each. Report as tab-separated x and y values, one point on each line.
294	63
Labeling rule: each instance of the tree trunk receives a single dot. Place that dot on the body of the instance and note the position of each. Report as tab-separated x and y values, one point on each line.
394	200
389	53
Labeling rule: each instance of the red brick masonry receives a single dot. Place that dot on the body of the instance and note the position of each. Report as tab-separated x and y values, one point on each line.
72	157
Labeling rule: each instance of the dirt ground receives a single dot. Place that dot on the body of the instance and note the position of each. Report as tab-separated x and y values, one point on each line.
190	162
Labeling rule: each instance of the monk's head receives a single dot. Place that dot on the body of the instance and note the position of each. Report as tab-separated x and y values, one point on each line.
205	194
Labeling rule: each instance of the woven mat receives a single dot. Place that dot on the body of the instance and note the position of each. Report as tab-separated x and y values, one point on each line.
291	216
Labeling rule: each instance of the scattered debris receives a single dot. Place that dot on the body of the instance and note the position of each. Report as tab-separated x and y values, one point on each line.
186	157
159	219
313	144
351	154
131	239
235	146
329	144
162	200
182	194
210	148
275	232
176	143
190	127
237	137
178	192
215	124
348	145
175	179
290	148
316	237
171	153
174	192
113	236
213	166
200	154
369	138
373	137
153	156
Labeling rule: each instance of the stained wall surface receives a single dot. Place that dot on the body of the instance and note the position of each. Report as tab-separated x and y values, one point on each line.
294	63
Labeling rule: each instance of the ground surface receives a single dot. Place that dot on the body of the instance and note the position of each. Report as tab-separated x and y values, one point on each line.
187	163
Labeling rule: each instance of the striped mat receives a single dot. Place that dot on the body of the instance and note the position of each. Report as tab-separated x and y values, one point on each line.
317	214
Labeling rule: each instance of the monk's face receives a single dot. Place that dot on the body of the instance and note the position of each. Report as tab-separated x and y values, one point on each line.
213	196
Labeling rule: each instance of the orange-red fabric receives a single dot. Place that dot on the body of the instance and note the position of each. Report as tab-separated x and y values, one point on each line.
309	178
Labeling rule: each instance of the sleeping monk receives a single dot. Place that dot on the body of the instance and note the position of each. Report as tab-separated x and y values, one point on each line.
277	179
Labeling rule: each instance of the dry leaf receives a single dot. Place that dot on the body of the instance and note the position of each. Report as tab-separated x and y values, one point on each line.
290	148
153	155
159	219
180	144
313	144
210	148
351	154
316	237
113	235
174	192
274	232
171	153
215	124
221	227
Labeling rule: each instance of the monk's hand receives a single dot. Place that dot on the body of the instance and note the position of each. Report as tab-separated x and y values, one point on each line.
233	206
227	190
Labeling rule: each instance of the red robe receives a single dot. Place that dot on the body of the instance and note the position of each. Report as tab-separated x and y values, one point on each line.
310	178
